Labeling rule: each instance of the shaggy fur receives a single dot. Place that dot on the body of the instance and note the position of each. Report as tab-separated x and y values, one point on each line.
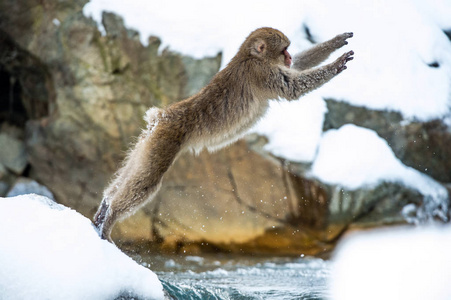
235	99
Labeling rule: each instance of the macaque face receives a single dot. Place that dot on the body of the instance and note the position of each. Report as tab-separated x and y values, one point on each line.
284	57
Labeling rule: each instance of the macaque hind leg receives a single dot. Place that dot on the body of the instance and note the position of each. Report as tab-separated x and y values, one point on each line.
136	183
317	54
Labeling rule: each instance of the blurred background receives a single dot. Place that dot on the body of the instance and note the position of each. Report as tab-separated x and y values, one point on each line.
372	148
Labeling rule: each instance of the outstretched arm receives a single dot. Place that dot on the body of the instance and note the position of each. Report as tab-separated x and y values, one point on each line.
317	54
293	84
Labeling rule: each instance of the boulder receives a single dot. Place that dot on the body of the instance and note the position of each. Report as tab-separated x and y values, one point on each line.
24	186
5	180
12	154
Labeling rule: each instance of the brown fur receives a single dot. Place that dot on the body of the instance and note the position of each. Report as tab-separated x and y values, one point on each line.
235	99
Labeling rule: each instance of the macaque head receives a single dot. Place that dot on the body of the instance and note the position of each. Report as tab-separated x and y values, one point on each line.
268	44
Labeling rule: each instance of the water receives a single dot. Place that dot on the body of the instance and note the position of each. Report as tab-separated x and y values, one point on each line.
222	277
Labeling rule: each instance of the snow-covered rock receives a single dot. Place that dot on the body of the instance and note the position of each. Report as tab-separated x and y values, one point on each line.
49	251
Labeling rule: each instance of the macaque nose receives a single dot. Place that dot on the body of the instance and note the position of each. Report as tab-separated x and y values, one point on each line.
287	58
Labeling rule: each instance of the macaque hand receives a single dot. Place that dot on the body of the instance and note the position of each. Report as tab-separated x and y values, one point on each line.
340	63
340	40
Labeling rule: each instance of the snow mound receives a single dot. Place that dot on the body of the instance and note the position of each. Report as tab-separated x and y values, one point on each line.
398	264
355	157
49	251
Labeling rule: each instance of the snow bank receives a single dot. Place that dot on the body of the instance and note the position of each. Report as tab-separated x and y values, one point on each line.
354	157
401	264
51	252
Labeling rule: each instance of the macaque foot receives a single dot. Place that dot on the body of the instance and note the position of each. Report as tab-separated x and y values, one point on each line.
340	63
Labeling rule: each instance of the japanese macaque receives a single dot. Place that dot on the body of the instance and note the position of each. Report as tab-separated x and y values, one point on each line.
235	99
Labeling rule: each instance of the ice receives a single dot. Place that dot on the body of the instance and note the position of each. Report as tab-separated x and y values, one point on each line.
398	264
49	251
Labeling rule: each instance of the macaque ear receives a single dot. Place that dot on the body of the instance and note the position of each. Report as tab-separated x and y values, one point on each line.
259	47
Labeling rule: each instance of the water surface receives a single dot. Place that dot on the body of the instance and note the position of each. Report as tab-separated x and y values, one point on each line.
225	277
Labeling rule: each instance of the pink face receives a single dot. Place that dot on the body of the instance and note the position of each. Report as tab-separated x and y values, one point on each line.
287	58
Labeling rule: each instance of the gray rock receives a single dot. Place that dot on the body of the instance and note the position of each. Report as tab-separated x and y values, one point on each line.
6	179
3	188
24	186
85	93
199	72
12	154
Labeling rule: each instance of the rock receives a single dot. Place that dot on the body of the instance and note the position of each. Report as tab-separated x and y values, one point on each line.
199	72
6	179
89	92
448	33
425	146
3	188
12	154
219	193
24	186
242	202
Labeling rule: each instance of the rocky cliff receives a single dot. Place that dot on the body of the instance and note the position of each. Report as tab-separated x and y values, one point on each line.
72	101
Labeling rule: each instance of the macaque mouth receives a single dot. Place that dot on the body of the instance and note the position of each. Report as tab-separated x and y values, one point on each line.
287	58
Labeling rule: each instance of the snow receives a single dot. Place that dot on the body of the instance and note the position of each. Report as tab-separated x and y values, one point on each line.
394	41
49	251
298	130
198	27
342	153
398	264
